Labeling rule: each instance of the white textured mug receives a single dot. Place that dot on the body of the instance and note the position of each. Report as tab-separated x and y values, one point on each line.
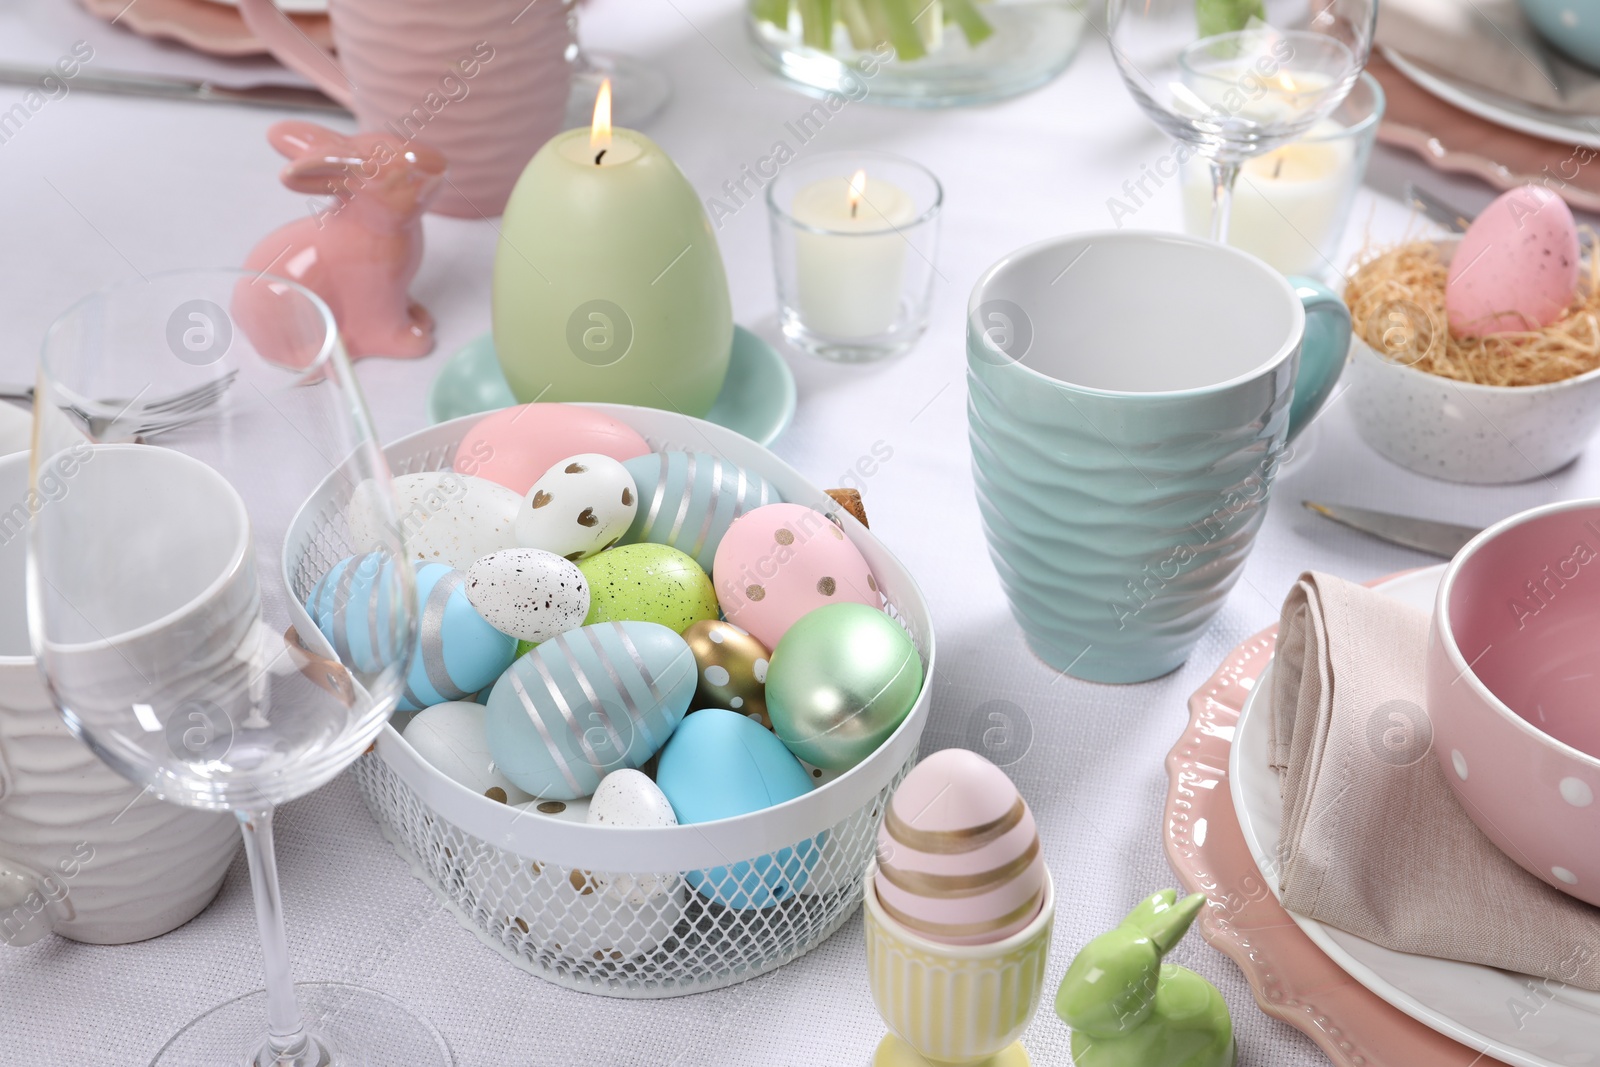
83	852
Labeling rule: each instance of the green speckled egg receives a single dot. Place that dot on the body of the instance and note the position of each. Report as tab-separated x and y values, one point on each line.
648	583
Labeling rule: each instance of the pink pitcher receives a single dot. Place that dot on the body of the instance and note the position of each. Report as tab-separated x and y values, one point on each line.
485	82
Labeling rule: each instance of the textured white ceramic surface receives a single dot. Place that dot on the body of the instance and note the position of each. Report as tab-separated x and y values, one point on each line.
83	852
1461	432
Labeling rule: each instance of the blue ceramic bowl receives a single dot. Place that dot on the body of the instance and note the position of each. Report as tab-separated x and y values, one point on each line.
1571	27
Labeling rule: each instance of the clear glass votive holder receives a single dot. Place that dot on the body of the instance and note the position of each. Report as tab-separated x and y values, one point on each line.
1291	206
854	237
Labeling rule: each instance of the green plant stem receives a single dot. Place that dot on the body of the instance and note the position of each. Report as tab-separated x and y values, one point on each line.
816	22
773	11
855	20
965	14
899	28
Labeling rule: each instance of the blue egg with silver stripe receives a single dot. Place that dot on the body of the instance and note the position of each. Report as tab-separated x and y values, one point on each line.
456	653
689	499
586	703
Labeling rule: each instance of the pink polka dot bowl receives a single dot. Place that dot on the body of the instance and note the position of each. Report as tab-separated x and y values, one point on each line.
1513	683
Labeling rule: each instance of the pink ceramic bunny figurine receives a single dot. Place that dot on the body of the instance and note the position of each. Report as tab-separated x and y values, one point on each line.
360	252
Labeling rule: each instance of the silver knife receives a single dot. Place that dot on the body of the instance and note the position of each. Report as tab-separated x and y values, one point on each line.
1443	539
126	84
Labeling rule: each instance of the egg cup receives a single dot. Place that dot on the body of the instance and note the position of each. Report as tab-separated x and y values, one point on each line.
954	1004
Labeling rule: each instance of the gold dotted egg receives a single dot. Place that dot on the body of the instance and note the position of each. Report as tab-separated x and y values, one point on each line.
732	669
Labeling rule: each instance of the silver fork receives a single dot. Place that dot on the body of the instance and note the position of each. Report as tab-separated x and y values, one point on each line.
132	418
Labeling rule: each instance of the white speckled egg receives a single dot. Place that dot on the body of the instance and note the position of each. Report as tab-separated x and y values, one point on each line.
450	737
629	798
580	506
528	593
445	517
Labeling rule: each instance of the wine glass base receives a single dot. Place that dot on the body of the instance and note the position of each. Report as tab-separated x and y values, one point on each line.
894	1052
638	90
355	1026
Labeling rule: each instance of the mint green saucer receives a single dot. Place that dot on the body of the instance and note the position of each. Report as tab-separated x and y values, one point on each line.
757	398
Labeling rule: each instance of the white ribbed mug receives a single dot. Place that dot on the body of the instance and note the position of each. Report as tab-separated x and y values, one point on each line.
83	852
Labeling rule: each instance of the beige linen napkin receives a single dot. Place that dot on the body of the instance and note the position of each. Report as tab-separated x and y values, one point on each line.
1373	840
1488	43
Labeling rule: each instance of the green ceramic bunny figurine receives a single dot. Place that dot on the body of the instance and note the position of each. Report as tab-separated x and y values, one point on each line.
1128	1009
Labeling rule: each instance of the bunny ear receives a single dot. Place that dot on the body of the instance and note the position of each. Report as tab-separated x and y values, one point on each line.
317	174
294	138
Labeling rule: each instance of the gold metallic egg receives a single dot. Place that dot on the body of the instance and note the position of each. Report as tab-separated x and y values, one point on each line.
732	669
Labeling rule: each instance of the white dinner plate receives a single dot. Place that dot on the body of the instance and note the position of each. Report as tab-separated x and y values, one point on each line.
1519	1020
1502	111
293	7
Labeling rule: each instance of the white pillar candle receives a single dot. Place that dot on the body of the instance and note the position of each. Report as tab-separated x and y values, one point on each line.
1287	204
849	256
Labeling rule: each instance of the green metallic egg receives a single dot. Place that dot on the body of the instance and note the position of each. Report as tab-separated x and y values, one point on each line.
648	583
841	680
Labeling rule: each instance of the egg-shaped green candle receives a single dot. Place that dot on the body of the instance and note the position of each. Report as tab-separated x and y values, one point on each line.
608	283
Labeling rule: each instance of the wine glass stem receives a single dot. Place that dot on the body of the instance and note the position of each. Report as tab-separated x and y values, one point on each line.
287	1042
1223	176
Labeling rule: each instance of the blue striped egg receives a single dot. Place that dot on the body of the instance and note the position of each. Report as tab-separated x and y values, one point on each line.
457	652
689	499
586	703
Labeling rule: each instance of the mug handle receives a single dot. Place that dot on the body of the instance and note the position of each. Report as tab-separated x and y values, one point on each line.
291	47
1323	351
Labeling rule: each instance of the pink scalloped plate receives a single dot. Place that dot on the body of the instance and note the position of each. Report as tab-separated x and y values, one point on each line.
1291	978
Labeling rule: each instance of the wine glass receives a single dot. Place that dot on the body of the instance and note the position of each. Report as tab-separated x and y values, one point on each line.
639	91
160	612
1236	79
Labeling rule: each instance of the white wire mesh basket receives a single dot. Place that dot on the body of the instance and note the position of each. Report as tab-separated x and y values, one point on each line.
611	910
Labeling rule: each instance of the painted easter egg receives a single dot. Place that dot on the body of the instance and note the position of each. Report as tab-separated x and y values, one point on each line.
573	914
445	517
628	798
720	764
528	593
648	583
1516	267
781	561
586	703
733	669
958	852
515	445
578	507
841	680
457	651
450	737
688	500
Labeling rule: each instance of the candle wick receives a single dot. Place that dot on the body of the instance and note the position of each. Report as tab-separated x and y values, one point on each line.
598	156
853	208
1277	170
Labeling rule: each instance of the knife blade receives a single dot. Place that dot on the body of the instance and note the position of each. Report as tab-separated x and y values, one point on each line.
127	84
1442	539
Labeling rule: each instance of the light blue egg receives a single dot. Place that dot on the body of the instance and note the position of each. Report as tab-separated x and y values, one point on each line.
689	499
720	764
586	703
456	652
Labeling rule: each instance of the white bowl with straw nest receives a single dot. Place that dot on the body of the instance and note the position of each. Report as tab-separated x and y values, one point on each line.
1490	410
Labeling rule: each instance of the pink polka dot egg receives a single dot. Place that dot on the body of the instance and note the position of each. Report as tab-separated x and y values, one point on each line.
779	562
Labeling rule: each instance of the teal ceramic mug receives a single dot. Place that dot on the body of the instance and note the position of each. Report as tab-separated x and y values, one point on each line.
1130	396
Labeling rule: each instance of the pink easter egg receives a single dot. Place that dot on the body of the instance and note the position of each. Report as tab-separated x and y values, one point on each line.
780	561
958	853
1516	267
515	445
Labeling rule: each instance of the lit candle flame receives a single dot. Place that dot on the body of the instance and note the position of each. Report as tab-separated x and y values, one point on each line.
1287	82
858	190
600	131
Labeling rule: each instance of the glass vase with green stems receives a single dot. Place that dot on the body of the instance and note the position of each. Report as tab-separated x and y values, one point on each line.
908	26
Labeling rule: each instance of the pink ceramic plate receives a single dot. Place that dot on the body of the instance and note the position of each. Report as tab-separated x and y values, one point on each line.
1291	978
205	27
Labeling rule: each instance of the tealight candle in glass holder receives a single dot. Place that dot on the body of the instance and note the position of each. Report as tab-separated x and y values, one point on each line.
853	242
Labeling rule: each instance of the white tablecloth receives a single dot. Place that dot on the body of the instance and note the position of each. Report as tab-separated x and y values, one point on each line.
93	188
